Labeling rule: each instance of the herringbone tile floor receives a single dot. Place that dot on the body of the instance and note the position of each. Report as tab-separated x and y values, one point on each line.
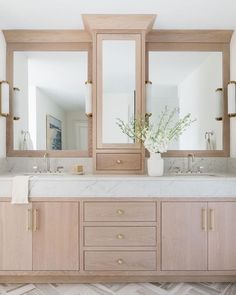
119	289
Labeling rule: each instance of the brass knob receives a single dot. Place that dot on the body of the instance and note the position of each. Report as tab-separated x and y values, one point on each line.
118	161
120	212
120	261
120	237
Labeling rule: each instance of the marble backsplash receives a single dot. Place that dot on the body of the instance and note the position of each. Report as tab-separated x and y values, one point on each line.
21	164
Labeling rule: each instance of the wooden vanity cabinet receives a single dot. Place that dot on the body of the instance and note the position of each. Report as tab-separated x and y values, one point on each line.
199	236
184	236
15	237
55	236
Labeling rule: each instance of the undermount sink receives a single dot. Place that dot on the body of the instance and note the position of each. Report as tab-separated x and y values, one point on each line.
193	174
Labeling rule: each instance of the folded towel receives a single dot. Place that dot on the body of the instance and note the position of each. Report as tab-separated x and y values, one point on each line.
20	190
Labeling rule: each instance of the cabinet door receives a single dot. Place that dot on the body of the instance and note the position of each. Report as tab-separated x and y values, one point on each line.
222	236
15	237
55	236
184	236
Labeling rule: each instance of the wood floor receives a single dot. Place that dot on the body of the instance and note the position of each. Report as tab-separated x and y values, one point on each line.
118	289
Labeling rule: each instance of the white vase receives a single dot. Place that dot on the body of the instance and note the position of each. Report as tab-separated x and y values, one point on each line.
155	165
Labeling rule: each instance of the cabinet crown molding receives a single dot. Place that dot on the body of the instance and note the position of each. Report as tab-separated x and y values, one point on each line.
94	22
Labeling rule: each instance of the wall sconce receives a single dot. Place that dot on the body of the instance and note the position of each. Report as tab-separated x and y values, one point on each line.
232	99
219	104
148	99
88	99
4	99
16	103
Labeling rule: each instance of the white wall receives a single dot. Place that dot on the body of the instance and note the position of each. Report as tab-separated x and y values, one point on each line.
2	77
233	77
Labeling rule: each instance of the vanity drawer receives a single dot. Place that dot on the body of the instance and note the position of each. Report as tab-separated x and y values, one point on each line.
119	162
120	260
119	236
120	211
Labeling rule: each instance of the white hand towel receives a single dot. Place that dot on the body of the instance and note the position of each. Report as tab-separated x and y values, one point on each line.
20	190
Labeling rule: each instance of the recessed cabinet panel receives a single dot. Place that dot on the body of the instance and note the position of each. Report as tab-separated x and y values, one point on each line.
15	237
55	236
222	236
184	236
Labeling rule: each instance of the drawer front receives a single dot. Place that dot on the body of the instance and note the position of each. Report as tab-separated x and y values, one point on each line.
120	211
120	260
119	162
120	236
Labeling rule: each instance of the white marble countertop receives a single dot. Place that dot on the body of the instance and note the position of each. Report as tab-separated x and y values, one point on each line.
218	185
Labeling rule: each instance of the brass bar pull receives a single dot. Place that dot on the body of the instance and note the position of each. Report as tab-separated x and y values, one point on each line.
204	219
212	219
35	216
29	219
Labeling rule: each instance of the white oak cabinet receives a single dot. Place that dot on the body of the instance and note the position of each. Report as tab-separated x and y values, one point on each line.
55	236
15	237
199	236
184	236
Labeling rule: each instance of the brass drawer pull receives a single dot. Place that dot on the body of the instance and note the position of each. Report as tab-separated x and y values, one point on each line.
118	161
35	217
204	219
212	219
120	237
29	219
120	212
120	261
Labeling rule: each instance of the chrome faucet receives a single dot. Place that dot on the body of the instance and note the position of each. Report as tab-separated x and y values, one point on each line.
191	159
47	162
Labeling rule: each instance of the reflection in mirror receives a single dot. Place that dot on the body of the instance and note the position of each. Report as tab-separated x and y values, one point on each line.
51	98
119	84
188	81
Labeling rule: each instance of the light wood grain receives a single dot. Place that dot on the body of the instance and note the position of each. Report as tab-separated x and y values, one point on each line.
119	236
190	36
119	211
46	36
184	242
118	21
117	161
222	236
15	237
122	260
56	240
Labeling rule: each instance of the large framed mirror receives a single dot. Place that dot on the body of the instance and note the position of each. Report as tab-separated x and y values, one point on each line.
48	100
187	78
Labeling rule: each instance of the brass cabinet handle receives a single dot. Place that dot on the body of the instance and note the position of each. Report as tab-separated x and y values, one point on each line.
120	212
120	237
212	219
35	217
120	261
29	219
118	161
204	219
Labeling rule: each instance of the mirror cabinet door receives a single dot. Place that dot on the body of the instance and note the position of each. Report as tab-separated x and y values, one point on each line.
188	80
118	87
49	100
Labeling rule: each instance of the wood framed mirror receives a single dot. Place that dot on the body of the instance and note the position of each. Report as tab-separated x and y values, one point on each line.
185	75
48	81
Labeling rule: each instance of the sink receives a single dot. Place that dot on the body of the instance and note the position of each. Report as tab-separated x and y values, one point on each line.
193	174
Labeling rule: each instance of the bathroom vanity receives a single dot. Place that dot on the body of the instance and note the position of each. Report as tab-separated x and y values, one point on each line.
120	229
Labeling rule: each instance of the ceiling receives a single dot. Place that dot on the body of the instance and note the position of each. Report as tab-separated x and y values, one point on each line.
66	14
